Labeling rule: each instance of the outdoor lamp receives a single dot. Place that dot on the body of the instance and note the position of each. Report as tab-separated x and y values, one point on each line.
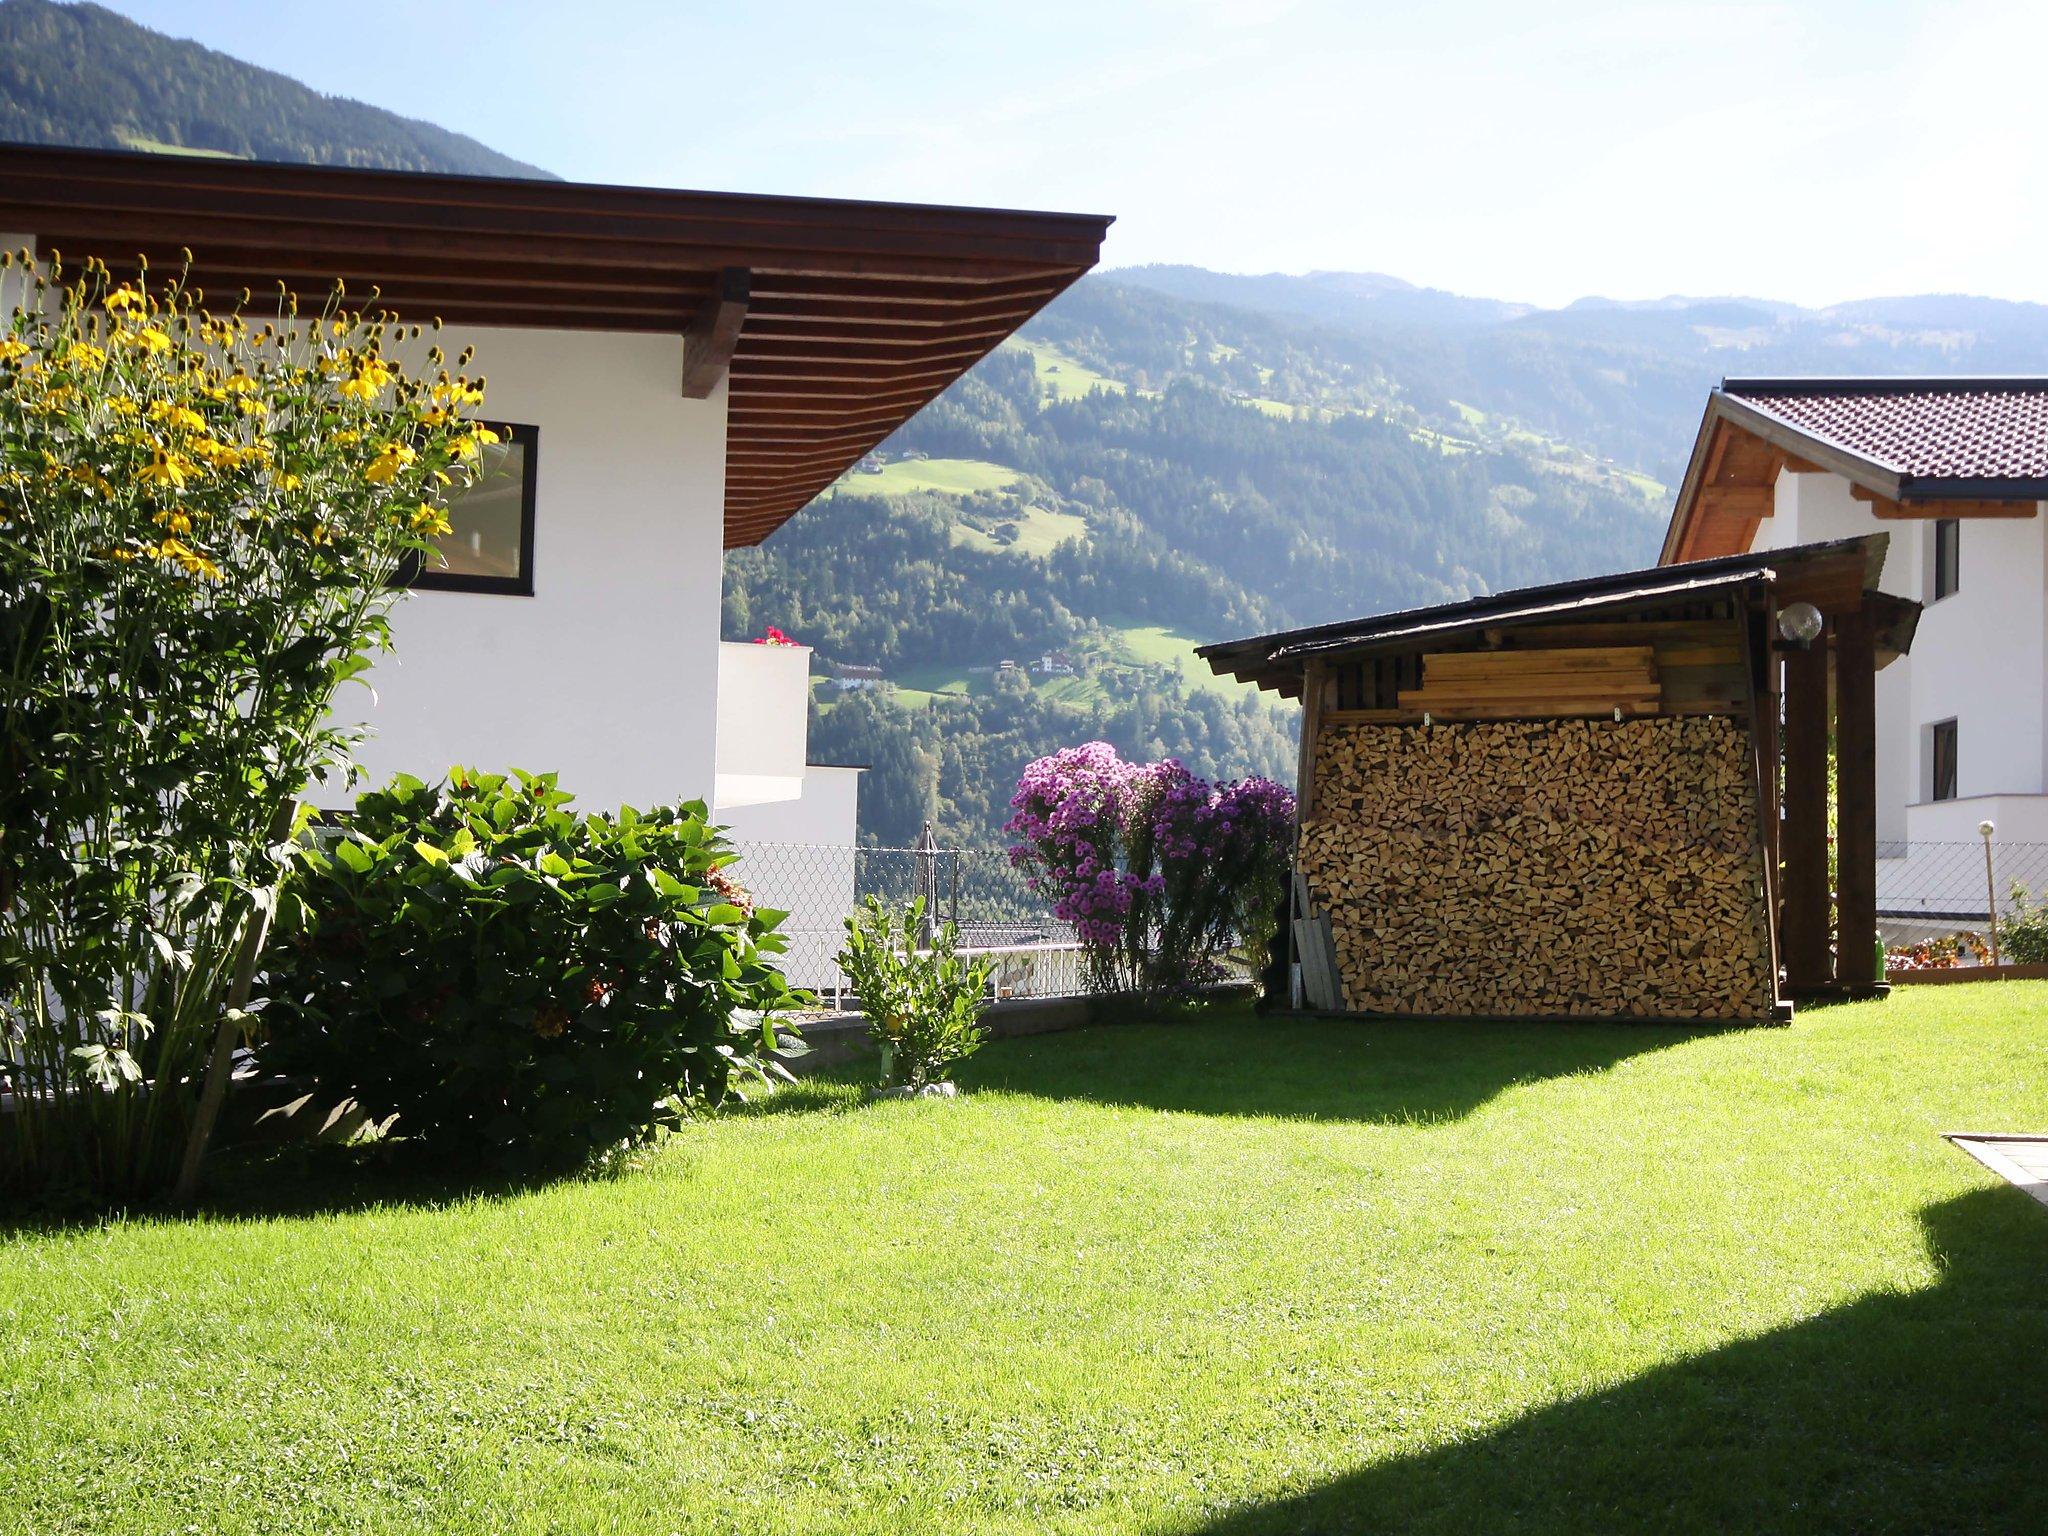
1800	624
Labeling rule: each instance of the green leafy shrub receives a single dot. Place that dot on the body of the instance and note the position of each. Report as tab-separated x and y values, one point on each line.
2023	936
923	1006
521	984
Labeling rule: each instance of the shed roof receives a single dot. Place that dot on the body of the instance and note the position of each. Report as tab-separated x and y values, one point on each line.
1832	575
843	318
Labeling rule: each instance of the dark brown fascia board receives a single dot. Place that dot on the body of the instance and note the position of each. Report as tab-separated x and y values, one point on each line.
136	183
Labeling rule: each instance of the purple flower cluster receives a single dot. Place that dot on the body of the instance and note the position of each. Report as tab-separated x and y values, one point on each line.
1149	862
1070	810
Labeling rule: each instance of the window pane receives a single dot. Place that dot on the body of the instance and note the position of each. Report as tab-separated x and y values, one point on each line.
1943	742
487	521
1947	545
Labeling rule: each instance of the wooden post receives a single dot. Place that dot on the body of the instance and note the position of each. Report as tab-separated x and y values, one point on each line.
1804	923
1760	668
1304	793
1311	725
1856	968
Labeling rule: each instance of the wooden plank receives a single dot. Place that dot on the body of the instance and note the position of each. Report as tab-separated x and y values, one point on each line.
1573	659
1856	965
1313	676
1698	656
1616	633
1336	717
1574	708
1804	922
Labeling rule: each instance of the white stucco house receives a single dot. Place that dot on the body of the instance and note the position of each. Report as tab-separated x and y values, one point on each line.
1956	470
675	373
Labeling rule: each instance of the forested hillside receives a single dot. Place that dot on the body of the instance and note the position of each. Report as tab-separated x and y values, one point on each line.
1135	475
80	74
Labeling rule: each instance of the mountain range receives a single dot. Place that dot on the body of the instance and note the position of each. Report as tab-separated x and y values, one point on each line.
1167	455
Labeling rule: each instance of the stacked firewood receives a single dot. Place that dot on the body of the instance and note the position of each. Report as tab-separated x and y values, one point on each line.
1560	867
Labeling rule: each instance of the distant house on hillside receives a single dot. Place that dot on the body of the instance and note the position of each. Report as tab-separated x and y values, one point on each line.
1054	664
1956	471
674	374
855	677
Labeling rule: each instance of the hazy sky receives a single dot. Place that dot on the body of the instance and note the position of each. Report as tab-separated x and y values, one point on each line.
1536	151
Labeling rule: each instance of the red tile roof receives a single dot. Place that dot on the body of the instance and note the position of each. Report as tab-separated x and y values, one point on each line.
1923	430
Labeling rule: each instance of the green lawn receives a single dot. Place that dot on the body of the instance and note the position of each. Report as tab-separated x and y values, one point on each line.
1040	531
1154	644
945	477
1062	376
1207	1279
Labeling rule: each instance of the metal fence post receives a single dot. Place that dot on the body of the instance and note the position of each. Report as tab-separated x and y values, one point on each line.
1985	829
927	852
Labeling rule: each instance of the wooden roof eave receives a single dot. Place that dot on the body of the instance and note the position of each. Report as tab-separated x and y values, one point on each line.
1724	408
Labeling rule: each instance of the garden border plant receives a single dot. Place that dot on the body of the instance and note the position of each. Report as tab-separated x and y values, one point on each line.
522	985
201	513
923	1005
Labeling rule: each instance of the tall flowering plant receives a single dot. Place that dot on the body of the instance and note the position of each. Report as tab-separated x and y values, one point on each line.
201	516
1159	870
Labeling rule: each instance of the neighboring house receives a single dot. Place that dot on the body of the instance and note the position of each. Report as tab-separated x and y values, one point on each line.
680	373
855	677
1054	664
1955	470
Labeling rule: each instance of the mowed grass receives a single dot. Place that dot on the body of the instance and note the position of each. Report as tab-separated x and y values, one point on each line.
1222	1277
945	477
1155	644
1061	376
1040	530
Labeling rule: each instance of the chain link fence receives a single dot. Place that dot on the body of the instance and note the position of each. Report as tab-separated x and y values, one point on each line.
1926	889
977	890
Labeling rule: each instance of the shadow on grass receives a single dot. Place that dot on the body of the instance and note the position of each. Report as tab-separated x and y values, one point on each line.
1384	1071
1914	1412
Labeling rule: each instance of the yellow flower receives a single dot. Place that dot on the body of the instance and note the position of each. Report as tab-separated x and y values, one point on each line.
12	349
177	522
125	297
85	355
124	405
181	418
457	392
386	466
319	533
429	519
287	482
372	375
189	560
167	469
148	339
466	447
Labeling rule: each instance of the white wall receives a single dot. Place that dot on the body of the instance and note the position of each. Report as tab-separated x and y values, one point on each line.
608	674
1980	656
764	704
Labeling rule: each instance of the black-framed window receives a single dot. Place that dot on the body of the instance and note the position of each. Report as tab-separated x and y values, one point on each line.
1941	760
1948	548
489	545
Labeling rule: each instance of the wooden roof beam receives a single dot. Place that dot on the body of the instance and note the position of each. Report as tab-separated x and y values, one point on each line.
1886	507
714	333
